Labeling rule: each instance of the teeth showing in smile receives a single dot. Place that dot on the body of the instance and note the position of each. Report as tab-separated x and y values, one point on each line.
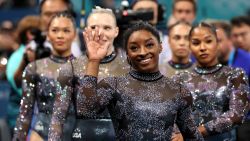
144	61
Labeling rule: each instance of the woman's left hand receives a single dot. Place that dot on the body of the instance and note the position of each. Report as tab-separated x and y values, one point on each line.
203	130
35	137
97	47
177	137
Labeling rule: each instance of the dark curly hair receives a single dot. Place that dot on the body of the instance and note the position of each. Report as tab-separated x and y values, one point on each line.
65	14
205	25
140	25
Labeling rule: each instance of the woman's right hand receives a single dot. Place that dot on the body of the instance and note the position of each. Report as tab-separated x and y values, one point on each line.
35	136
97	47
177	137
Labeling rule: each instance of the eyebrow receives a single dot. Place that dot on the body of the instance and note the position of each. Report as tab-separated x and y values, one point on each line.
149	39
208	36
90	25
148	8
132	42
178	34
67	27
61	27
145	40
194	38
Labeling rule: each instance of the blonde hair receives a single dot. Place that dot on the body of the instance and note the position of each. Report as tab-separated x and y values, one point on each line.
100	10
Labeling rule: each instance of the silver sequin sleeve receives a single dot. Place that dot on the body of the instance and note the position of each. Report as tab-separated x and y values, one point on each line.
184	119
220	99
27	103
62	102
238	104
90	99
68	89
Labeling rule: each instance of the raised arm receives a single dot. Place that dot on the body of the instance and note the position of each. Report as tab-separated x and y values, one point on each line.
27	102
97	48
238	105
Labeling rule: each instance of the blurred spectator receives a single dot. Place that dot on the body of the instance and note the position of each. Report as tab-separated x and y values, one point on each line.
25	27
23	36
228	54
183	10
6	48
235	57
225	45
48	8
7	45
17	3
29	36
9	25
7	40
241	32
147	5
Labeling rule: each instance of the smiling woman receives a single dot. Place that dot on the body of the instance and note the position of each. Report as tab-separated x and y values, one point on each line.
143	51
143	103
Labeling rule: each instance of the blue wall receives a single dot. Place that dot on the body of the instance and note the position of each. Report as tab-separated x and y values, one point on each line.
16	14
216	9
212	9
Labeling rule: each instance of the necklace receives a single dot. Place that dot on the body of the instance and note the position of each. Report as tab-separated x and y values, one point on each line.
179	65
208	70
108	58
146	76
60	59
